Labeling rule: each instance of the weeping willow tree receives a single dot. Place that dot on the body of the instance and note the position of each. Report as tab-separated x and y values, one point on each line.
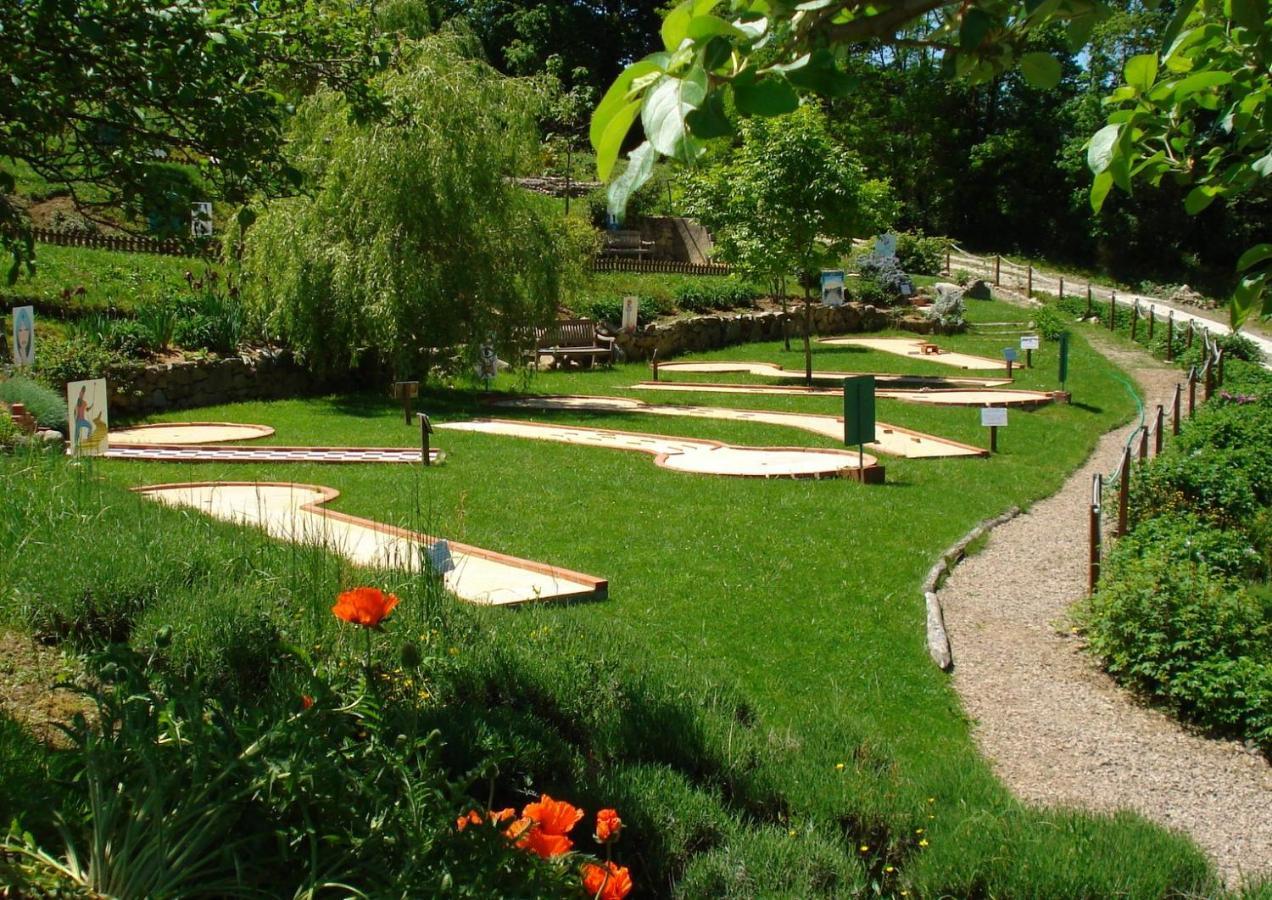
411	245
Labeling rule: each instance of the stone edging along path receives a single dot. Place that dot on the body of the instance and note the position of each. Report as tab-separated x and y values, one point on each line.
1057	729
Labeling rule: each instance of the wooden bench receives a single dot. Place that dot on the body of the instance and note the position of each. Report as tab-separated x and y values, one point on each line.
626	243
572	340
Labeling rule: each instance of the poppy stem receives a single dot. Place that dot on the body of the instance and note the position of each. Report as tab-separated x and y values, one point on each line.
368	633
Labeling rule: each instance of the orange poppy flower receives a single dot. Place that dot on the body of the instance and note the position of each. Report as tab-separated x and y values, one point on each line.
608	882
306	701
503	815
608	825
364	606
553	816
472	817
539	842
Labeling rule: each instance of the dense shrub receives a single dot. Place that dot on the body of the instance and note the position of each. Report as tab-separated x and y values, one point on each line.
721	293
128	337
881	280
73	360
1050	323
47	406
921	255
1188	636
9	431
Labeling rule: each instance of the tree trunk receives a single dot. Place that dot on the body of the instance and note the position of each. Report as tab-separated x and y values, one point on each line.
808	330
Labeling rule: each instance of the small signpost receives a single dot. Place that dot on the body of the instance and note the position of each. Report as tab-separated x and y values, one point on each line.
1009	354
631	311
859	414
487	361
404	391
426	429
1064	358
1029	343
23	336
832	287
201	220
993	418
87	416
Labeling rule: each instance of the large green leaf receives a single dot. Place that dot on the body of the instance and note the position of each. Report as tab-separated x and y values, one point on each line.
709	120
1100	189
1199	198
610	140
1042	70
1255	255
640	165
770	96
675	28
1141	71
616	98
1200	82
1100	150
1246	299
665	107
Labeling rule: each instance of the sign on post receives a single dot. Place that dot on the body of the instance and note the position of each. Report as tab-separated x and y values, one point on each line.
201	220
993	418
631	312
24	336
87	417
832	287
859	413
1029	343
1009	354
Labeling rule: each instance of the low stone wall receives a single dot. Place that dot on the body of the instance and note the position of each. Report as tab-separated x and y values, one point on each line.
677	238
262	375
710	332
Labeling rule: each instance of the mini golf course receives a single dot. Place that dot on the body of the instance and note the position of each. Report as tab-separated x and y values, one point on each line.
938	397
892	440
911	347
775	371
295	512
692	455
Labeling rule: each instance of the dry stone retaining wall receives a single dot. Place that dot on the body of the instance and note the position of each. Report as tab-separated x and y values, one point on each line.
263	375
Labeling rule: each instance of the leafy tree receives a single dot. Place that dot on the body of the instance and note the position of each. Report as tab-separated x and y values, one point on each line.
412	242
1201	114
118	102
788	200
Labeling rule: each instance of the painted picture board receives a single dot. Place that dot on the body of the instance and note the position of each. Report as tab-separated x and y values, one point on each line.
24	336
87	416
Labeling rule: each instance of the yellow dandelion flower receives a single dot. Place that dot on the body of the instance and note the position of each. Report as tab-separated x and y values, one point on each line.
918	831
453	651
865	848
888	869
839	766
923	843
792	832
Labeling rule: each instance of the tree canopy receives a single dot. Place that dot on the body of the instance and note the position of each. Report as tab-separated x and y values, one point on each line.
411	241
145	106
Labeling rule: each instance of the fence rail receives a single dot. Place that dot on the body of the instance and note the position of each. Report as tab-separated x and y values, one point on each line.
1152	439
125	243
656	266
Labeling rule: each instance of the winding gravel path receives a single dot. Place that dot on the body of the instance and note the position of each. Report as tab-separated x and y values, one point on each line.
1059	731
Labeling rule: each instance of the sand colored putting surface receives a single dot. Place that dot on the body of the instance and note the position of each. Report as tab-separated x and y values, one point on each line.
886	379
691	454
936	396
295	512
171	434
889	439
914	348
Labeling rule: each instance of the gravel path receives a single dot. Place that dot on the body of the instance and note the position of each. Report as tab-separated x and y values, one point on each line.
1059	731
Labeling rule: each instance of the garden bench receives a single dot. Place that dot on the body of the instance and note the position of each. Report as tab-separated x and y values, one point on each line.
626	243
569	340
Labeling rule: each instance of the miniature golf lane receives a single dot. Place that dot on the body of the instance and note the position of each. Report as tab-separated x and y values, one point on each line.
937	397
913	347
775	371
890	439
692	454
209	442
295	512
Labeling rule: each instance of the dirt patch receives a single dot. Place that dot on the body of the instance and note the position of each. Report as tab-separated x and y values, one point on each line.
29	677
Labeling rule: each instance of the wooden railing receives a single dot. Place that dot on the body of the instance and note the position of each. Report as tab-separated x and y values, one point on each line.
125	243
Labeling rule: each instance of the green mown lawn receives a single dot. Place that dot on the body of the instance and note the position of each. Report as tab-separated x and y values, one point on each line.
804	594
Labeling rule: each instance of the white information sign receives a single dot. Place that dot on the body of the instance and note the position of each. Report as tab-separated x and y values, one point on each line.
87	417
24	336
832	287
201	220
1029	342
994	415
631	310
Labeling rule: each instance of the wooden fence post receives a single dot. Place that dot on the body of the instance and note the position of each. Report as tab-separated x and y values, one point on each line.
1174	409
1157	430
1143	447
1093	533
1134	319
1192	392
1221	356
1028	281
998	270
1112	310
1170	336
947	259
653	361
1123	491
1190	335
1152	320
1060	295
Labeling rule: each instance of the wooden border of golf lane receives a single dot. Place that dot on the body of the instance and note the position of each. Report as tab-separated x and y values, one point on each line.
1037	398
434	454
871	474
600	586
